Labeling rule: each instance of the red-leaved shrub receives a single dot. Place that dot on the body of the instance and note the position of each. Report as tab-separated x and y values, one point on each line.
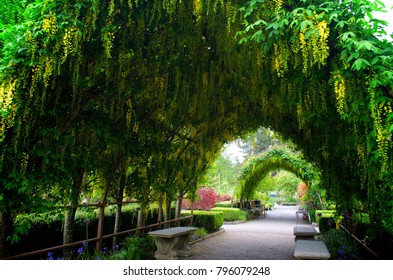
207	198
302	190
223	197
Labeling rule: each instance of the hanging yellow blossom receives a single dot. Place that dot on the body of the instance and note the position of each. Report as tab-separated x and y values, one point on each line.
6	107
340	91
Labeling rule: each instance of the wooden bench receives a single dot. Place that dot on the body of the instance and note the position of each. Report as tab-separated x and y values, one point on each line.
311	250
304	232
172	242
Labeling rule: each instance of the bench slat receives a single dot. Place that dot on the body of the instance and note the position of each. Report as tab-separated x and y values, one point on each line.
304	231
311	250
172	232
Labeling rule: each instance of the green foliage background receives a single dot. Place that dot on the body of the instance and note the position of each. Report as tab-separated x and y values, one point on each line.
142	94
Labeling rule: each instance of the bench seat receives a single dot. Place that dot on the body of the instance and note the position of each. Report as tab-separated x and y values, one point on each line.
304	232
311	250
172	242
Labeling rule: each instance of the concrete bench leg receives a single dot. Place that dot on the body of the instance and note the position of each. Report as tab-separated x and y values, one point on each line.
171	248
181	248
165	249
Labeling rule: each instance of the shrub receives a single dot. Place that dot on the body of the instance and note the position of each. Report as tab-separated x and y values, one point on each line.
325	219
210	220
232	214
223	197
207	198
268	205
324	214
227	204
199	233
133	247
326	224
136	248
340	246
46	230
289	203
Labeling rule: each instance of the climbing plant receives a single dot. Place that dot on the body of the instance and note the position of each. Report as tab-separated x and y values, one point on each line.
88	85
330	62
256	168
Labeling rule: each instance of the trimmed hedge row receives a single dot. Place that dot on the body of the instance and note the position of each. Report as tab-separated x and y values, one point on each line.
210	220
46	230
325	219
227	204
231	214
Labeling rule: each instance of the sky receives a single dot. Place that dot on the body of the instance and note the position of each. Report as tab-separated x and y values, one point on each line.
233	152
388	16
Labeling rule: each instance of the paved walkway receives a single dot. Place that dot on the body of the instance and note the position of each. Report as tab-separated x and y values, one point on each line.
269	238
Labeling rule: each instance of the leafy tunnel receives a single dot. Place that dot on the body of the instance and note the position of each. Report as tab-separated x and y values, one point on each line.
275	159
143	94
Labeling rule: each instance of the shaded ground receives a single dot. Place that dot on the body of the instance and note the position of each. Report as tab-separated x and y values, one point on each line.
269	238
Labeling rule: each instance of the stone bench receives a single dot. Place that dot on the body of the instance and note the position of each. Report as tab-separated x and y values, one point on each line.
302	213
311	250
172	242
304	232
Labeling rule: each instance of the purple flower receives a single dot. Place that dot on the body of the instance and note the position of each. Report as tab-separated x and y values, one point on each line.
50	256
84	244
80	250
104	250
116	247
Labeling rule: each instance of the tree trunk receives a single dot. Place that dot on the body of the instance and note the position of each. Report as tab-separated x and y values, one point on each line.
141	219
68	233
178	208
69	219
167	216
160	211
119	200
100	227
192	214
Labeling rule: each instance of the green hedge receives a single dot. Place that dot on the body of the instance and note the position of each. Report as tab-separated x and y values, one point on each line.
46	230
325	219
227	204
210	220
289	203
231	214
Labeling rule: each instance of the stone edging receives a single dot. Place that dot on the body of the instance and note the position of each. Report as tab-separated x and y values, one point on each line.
234	222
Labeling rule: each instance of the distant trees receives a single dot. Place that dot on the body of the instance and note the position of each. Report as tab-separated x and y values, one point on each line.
257	142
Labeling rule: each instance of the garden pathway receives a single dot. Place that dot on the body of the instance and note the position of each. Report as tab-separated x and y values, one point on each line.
269	238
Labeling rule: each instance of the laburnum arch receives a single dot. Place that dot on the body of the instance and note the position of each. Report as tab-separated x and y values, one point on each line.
144	93
258	167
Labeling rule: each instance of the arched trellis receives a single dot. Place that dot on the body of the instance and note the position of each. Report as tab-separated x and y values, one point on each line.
162	83
277	158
